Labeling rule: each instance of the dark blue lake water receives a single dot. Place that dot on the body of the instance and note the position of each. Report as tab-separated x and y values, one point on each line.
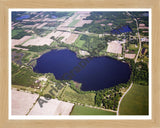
23	17
122	29
94	73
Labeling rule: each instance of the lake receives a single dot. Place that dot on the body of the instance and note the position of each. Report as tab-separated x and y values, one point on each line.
94	73
23	17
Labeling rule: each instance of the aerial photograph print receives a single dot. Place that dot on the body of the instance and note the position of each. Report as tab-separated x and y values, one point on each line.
76	63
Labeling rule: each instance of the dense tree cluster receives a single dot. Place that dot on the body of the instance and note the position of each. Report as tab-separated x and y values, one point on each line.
94	44
19	33
106	15
109	98
139	73
116	18
143	17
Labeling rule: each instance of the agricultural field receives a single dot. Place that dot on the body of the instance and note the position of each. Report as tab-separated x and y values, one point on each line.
89	35
39	41
20	41
51	107
73	23
135	102
83	110
71	39
22	102
19	33
79	43
74	97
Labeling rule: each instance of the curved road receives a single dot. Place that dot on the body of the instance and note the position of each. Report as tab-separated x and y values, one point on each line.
123	97
134	61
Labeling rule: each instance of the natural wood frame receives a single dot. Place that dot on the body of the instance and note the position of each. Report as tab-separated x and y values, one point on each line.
6	4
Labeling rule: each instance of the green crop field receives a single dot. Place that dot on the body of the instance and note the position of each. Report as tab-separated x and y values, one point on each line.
135	102
73	23
71	95
80	43
82	110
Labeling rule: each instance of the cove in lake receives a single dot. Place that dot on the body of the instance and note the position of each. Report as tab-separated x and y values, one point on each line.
94	73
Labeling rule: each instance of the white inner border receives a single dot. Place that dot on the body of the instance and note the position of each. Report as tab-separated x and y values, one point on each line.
109	117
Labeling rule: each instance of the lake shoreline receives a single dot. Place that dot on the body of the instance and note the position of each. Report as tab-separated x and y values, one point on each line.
71	72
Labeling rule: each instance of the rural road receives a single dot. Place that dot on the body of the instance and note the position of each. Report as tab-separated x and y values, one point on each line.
139	42
138	38
123	97
134	61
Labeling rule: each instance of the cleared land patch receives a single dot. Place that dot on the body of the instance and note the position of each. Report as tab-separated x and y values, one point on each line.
114	47
22	102
39	41
135	102
52	107
71	39
20	41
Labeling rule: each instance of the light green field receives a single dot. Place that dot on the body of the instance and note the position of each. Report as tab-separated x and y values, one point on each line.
82	110
74	22
79	43
135	102
71	95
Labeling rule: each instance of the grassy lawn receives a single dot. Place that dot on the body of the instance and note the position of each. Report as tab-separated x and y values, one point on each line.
135	102
82	110
71	95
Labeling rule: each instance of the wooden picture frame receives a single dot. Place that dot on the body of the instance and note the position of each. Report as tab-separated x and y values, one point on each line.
4	63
